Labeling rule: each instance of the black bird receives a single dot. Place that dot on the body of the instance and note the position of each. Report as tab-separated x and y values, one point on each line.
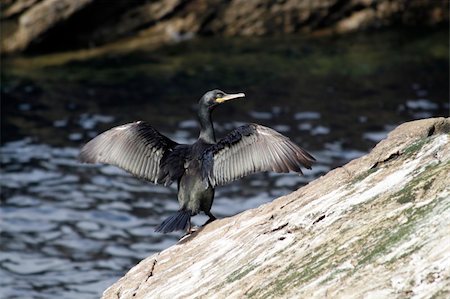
198	168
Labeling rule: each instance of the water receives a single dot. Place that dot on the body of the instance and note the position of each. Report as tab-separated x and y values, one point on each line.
70	230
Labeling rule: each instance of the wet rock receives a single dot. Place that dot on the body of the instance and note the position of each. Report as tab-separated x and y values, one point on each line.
39	18
17	7
376	227
66	24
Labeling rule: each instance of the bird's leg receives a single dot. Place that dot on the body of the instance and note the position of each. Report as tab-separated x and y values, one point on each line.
189	228
211	218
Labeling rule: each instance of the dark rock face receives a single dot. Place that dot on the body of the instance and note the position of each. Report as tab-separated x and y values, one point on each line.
66	24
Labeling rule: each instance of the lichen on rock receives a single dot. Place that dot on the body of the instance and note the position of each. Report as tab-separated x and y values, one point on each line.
376	227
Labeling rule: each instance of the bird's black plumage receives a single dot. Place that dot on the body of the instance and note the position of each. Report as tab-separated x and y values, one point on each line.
136	147
198	168
248	149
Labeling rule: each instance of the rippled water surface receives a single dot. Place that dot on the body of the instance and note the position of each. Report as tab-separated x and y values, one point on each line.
70	230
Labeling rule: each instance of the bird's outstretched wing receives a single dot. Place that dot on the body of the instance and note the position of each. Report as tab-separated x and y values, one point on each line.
136	147
252	148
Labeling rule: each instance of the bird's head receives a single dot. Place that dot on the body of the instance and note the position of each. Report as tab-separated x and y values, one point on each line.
215	97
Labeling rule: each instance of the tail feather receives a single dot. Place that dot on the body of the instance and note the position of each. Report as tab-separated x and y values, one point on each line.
178	221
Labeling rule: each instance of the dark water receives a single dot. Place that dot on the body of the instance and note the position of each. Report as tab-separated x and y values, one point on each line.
70	230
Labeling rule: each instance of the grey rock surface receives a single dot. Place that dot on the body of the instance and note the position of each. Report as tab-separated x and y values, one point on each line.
378	227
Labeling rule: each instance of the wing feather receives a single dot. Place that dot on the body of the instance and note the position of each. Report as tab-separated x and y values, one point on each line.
136	147
252	148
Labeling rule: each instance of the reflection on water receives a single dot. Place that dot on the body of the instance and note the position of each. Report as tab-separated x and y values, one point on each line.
70	230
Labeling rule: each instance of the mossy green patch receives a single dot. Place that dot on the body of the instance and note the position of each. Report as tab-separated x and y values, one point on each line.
405	195
423	181
387	239
375	243
415	146
364	175
240	273
295	274
379	241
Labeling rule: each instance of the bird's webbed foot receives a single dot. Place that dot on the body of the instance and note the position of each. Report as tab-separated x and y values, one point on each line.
190	229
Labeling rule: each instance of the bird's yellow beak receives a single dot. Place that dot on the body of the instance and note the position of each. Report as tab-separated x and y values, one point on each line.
230	97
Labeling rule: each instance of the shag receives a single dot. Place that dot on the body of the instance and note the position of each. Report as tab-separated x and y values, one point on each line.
200	167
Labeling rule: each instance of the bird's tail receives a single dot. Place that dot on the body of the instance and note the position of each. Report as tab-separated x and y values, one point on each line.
179	221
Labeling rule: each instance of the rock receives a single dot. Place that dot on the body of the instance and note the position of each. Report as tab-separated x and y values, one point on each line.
56	24
17	7
39	19
378	227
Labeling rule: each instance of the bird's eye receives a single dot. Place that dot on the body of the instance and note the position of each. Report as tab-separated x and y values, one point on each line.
219	95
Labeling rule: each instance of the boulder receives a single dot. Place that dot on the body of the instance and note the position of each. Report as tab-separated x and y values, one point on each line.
66	24
378	227
38	19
